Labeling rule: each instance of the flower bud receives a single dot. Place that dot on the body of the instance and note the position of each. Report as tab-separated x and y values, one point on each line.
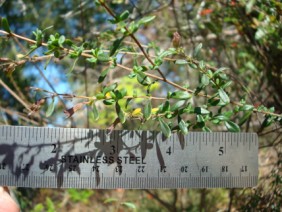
176	40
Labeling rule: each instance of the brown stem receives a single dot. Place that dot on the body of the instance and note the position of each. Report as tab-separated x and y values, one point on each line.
162	202
203	200
14	95
231	195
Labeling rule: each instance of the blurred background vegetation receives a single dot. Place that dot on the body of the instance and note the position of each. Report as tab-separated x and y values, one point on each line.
242	35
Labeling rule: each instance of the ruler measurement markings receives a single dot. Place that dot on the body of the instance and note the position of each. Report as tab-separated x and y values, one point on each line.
3	131
226	140
10	133
196	138
173	142
14	133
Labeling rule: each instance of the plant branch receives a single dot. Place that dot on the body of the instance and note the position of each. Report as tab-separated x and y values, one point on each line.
151	75
134	38
15	95
20	115
156	197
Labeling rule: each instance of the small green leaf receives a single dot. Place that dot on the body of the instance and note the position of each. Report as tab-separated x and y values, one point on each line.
200	110
103	75
57	53
177	105
109	101
192	65
246	108
61	40
100	96
110	200
129	205
205	80
51	108
213	101
165	128
127	102
92	60
200	118
245	117
267	121
227	84
5	25
143	79
223	96
73	65
200	122
120	113
115	46
206	129
124	15
38	207
197	49
202	65
103	57
148	110
220	117
50	204
133	27
47	62
249	6
146	19
180	95
109	88
95	112
181	62
218	71
120	93
232	127
165	107
183	126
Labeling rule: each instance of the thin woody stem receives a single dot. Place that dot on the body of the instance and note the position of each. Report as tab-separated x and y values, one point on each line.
15	95
135	40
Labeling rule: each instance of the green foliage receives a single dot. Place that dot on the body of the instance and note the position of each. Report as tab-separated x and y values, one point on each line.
197	50
164	127
148	110
5	25
48	206
77	195
51	108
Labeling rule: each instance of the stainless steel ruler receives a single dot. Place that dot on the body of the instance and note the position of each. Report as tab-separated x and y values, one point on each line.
92	158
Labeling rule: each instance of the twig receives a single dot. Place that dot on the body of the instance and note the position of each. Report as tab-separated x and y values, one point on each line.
17	88
20	115
156	197
231	195
15	95
270	131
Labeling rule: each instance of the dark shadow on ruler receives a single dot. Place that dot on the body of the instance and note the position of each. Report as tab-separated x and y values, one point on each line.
100	144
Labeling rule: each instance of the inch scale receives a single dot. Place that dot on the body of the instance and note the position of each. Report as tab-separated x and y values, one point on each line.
42	157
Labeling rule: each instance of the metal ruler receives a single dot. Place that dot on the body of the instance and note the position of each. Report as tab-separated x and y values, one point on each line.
92	158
